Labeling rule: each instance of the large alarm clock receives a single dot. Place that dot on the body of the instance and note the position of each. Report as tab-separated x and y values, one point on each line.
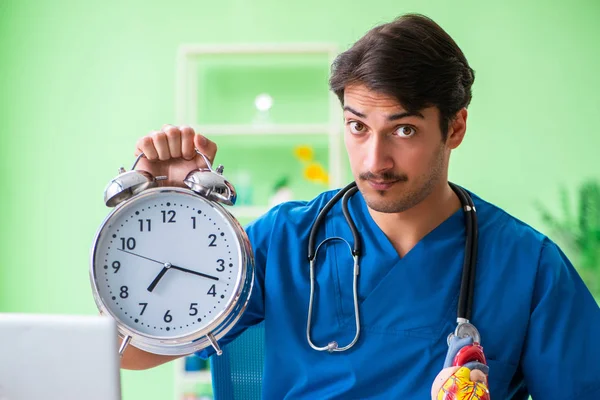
171	265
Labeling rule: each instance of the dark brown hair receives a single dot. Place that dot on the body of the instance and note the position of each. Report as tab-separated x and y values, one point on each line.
411	59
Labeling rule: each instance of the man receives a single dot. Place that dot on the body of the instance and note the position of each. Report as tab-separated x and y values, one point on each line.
405	88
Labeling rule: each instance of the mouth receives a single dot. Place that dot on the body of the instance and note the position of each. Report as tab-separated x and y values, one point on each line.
382	185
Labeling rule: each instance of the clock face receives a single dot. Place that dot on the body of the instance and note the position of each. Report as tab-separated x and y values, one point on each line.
167	264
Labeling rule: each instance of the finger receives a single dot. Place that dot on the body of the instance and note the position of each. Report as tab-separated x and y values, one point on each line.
188	150
146	145
206	147
159	139
173	140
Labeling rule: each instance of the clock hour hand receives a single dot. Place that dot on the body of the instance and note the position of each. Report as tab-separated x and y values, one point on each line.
158	277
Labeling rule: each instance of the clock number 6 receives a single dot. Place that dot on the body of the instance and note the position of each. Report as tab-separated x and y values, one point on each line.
168	317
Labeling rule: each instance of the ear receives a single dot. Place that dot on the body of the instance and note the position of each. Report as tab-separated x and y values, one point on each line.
457	129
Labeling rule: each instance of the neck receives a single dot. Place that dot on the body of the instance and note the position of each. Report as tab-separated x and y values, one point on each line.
405	229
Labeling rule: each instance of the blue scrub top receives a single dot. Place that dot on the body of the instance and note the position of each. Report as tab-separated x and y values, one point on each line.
540	326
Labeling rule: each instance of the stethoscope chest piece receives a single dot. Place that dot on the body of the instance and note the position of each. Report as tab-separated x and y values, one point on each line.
463	330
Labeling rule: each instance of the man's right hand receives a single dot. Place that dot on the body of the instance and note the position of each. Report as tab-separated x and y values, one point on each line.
171	152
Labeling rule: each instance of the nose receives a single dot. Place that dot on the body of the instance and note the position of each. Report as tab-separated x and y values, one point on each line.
378	157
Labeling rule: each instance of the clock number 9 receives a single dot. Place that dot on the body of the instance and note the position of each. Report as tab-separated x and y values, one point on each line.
116	265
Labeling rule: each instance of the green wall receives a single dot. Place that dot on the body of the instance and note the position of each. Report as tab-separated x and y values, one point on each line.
81	81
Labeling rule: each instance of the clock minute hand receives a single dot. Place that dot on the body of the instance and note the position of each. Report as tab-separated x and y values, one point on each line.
166	267
214	278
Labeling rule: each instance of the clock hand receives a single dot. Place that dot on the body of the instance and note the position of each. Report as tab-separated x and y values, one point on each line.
158	277
166	268
169	266
214	278
160	274
137	255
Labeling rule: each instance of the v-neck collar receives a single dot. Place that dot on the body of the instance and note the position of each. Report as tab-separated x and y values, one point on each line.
366	225
380	265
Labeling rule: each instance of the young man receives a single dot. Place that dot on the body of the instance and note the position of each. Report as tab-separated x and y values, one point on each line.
405	88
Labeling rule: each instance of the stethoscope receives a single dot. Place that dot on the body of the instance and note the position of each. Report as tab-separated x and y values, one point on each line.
464	327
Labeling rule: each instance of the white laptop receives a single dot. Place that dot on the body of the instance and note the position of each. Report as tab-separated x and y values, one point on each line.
58	357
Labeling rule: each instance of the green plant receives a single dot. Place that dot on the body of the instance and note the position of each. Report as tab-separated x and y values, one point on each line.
580	231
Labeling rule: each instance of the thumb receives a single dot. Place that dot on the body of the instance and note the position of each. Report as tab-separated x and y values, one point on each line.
206	147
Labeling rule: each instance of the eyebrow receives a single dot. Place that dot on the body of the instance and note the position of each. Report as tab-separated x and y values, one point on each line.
392	117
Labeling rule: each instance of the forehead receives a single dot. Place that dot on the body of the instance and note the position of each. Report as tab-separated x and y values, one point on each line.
371	104
361	96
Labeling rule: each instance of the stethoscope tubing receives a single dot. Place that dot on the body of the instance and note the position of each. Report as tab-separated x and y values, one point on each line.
346	192
467	285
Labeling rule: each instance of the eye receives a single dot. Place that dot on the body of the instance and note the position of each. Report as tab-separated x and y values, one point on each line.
356	127
406	131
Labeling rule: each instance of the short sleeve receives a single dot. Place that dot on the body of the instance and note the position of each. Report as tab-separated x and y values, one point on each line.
561	357
259	233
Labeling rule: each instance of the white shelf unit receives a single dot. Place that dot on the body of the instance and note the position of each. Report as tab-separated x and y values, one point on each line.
266	129
187	85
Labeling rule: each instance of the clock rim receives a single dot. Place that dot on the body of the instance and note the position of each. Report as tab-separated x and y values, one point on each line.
221	323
